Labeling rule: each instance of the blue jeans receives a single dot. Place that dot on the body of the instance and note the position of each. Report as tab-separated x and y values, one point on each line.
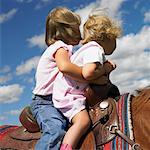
51	122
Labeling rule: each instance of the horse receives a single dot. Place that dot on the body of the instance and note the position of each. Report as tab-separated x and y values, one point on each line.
118	122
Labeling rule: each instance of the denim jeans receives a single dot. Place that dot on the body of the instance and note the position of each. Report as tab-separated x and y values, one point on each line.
51	122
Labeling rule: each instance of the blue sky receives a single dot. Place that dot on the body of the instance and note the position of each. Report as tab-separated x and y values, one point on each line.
22	26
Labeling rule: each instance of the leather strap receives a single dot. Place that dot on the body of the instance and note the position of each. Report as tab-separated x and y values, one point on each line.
135	146
115	130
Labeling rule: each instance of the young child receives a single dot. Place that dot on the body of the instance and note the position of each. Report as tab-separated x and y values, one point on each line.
68	95
62	31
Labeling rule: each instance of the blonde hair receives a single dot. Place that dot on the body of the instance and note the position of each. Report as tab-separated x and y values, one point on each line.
99	27
59	25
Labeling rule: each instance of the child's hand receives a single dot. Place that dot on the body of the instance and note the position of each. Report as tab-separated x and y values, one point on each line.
109	66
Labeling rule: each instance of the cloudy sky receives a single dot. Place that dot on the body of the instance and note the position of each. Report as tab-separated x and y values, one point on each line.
22	26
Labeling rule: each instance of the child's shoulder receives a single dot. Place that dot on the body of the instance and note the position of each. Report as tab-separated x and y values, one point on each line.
60	44
91	44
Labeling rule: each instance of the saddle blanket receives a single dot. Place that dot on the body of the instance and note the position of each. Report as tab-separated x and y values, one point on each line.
6	129
125	124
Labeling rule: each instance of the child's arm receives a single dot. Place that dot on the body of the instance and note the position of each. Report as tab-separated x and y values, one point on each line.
92	71
97	73
78	73
66	67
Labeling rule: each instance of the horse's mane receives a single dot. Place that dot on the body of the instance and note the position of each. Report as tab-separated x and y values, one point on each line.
140	99
140	90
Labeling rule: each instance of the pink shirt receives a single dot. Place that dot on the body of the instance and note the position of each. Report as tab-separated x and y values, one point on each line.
47	69
68	95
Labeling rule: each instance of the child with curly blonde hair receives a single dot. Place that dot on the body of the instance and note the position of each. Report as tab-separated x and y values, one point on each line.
99	38
101	31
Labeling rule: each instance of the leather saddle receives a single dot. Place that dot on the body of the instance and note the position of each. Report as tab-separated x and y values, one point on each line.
104	116
22	134
103	119
29	129
27	120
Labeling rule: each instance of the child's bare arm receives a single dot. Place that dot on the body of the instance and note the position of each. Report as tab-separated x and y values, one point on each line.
66	67
92	71
97	73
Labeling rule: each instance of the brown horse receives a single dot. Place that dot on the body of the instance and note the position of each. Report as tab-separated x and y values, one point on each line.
106	115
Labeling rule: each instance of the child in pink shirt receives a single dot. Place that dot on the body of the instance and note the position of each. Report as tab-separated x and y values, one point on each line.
68	95
62	31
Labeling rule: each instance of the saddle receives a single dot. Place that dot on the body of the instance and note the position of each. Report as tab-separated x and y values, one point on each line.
27	120
29	129
22	134
104	116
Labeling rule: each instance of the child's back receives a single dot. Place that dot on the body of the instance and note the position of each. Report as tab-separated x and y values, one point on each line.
47	69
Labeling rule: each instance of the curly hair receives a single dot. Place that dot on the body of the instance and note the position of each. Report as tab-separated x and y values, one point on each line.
98	27
59	25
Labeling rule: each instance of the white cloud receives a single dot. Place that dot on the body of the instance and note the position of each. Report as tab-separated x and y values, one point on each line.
133	62
6	16
30	80
112	9
46	0
27	66
42	3
10	93
14	112
37	40
84	12
132	44
5	78
2	118
21	1
137	4
5	69
147	17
